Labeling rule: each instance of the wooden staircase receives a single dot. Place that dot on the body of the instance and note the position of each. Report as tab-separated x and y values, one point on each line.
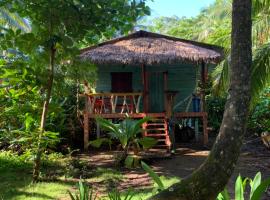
158	128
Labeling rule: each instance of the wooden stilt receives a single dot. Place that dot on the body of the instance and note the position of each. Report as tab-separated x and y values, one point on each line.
86	131
205	131
86	122
196	126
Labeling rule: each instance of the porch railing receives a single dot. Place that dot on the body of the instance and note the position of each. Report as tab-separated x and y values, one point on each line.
110	103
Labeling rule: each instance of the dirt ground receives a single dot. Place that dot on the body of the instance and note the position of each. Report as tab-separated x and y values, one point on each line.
254	157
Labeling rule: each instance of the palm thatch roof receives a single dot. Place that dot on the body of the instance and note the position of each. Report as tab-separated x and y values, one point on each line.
148	48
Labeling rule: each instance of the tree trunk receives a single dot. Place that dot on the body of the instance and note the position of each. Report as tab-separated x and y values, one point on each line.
212	176
37	161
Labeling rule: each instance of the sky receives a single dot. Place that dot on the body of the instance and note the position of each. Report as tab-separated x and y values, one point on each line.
180	8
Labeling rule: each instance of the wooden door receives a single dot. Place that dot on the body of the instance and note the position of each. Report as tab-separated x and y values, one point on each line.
156	92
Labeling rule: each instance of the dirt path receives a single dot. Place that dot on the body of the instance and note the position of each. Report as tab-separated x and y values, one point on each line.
182	165
186	159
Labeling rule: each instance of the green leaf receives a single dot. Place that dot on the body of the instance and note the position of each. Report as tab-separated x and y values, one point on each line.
153	175
98	142
255	183
239	193
260	190
71	195
244	183
224	195
29	120
129	161
147	142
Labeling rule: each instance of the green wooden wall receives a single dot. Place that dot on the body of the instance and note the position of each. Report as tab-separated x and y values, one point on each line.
181	77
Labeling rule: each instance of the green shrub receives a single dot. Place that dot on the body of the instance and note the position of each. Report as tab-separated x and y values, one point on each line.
215	109
9	160
128	133
260	116
257	188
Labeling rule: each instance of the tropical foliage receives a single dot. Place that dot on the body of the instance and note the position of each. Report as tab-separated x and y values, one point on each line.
257	188
45	54
213	25
129	134
84	192
13	20
260	117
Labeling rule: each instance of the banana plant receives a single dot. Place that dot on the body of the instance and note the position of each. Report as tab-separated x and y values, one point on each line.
128	133
257	188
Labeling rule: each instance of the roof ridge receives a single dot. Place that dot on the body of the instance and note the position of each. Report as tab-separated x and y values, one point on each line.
143	33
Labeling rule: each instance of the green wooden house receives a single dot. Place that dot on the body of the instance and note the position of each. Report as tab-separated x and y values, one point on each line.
149	74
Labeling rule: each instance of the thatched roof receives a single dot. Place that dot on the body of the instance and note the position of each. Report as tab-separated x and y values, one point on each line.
151	48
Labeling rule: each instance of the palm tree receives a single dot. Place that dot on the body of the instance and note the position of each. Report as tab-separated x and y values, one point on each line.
221	161
213	25
218	17
13	20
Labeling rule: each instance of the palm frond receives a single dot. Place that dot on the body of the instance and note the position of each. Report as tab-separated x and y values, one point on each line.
139	123
13	20
221	78
261	22
260	77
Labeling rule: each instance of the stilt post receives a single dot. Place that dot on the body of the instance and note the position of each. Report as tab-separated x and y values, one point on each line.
86	124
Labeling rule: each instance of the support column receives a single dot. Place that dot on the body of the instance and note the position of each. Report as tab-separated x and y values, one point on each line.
85	131
165	88
204	74
86	124
205	131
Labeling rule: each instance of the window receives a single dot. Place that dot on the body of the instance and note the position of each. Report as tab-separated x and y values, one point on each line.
121	81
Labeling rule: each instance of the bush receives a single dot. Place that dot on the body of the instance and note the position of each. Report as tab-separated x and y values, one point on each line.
215	109
260	117
257	188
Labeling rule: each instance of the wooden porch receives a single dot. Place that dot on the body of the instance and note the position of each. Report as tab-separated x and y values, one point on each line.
119	105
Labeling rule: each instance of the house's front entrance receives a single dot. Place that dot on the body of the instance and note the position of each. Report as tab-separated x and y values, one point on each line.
156	92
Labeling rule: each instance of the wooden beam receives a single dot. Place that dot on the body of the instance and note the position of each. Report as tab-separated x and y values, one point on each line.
165	89
190	114
203	80
123	115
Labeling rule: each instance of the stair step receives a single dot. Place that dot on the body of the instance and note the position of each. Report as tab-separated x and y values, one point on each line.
154	129
156	120
161	146
155	135
155	124
161	140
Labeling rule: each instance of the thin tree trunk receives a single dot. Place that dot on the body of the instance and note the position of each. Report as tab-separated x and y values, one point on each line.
212	176
37	162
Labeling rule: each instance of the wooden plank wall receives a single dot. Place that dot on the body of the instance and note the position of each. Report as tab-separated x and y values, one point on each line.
181	77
